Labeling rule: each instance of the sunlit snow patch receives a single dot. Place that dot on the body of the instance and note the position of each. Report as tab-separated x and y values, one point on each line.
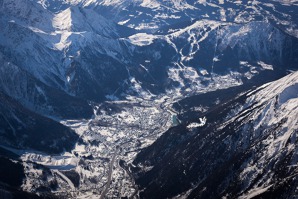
265	66
123	22
195	124
142	39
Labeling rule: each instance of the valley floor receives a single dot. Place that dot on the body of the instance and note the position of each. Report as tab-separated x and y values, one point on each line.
117	132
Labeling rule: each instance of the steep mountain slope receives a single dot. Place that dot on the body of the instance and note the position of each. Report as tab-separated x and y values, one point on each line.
12	179
209	53
247	148
38	97
76	50
48	46
21	128
110	69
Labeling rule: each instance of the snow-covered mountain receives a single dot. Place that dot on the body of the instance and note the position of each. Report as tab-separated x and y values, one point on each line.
97	66
153	15
78	51
47	46
247	148
24	129
37	96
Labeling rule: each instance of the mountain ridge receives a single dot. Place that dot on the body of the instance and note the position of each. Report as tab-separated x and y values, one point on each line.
231	160
91	84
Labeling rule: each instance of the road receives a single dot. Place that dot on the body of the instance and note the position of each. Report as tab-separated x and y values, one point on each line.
105	191
69	182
